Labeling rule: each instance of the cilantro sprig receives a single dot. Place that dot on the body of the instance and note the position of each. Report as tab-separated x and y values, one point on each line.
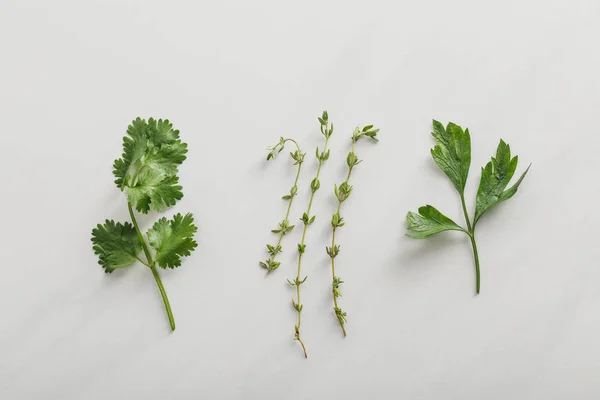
147	174
452	154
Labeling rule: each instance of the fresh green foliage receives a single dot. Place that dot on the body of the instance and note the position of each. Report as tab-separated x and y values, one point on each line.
495	176
147	171
284	226
117	245
147	174
452	154
172	239
342	192
307	219
428	222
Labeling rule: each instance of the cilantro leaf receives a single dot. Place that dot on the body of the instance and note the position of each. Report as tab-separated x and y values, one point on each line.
152	191
495	176
147	171
452	152
117	245
429	222
172	239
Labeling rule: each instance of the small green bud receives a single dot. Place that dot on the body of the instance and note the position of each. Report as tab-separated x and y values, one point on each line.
352	160
301	248
315	185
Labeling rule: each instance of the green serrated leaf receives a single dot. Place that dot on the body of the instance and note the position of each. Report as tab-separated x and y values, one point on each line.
495	176
452	153
429	222
153	191
147	171
117	245
172	239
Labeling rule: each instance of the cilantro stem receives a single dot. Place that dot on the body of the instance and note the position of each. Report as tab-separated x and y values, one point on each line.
152	267
135	176
142	261
163	293
471	233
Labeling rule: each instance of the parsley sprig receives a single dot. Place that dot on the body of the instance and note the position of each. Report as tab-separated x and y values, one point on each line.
147	174
452	154
284	226
342	192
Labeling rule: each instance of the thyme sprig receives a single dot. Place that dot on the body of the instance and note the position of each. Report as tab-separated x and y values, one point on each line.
307	219
284	226
342	192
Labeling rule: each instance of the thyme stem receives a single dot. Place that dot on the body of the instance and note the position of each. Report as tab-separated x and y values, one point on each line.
307	219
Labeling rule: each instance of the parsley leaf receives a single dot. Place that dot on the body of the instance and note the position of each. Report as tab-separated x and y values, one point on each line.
147	171
452	154
495	176
172	239
117	245
428	222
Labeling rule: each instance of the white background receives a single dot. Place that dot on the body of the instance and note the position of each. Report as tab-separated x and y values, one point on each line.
234	76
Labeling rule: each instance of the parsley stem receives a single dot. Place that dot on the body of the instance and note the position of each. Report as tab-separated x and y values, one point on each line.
152	267
471	233
476	256
464	207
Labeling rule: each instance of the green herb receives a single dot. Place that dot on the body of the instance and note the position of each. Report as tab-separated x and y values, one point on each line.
342	192
452	154
147	174
284	226
307	220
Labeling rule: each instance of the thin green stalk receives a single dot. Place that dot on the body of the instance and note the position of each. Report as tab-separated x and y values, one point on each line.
341	316
476	256
342	193
308	220
471	233
464	207
335	303
287	218
284	226
152	267
163	293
